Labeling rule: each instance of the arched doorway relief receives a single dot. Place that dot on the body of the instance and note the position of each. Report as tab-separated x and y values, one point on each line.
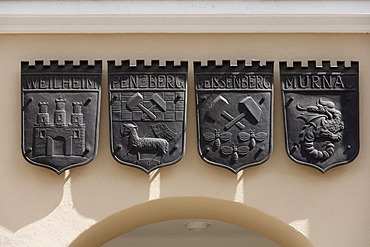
59	145
191	208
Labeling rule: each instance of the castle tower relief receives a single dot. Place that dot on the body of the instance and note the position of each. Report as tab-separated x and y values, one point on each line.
60	111
59	138
43	115
77	116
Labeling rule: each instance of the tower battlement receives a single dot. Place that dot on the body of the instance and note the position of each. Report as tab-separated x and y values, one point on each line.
43	107
140	66
56	66
240	66
313	67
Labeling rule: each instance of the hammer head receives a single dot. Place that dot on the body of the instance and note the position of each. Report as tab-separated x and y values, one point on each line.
136	99
159	101
216	107
249	105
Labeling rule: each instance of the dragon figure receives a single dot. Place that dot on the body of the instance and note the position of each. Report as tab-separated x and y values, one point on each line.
322	124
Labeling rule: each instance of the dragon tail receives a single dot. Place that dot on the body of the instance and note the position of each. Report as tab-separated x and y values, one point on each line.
318	154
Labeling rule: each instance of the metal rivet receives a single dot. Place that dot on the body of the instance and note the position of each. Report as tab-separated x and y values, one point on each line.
88	101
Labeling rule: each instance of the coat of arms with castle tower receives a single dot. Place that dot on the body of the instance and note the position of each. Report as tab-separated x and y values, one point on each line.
60	113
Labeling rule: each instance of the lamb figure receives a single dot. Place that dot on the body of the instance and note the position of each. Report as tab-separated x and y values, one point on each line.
144	144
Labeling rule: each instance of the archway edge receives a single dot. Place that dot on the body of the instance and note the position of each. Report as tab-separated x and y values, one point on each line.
159	210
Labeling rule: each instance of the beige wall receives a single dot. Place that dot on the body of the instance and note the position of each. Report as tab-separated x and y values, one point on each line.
40	208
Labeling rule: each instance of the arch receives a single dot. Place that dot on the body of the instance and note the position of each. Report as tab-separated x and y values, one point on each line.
59	145
191	207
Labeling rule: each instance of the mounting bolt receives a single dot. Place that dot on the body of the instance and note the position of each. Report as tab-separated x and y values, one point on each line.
88	101
114	98
349	146
289	101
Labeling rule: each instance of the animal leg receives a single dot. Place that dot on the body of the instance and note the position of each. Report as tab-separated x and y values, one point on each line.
153	158
127	152
160	161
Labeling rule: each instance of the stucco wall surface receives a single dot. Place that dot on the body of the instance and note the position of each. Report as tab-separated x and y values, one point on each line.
40	208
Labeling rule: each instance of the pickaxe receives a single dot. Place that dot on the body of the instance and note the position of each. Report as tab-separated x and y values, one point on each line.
136	100
249	106
157	101
216	109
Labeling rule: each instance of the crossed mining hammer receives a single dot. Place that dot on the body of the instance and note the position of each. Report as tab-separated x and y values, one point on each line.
248	106
137	99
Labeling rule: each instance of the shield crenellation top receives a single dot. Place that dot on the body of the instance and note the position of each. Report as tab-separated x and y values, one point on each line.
234	113
60	113
321	106
147	112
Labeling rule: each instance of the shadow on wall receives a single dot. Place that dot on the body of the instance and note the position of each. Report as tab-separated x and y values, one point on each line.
191	207
113	186
26	200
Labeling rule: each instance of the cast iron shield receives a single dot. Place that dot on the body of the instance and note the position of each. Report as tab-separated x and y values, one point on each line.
234	113
321	112
60	113
147	113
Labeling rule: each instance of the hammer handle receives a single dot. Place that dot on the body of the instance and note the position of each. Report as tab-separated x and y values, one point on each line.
228	117
149	113
234	121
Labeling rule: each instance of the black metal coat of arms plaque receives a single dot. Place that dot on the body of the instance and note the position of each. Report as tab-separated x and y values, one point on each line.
147	113
321	112
60	113
234	113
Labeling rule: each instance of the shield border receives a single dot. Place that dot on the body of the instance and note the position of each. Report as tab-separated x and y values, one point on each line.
326	67
82	67
154	66
240	67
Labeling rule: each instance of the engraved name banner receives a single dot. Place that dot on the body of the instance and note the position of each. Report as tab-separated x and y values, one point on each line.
234	113
321	113
60	113
147	113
